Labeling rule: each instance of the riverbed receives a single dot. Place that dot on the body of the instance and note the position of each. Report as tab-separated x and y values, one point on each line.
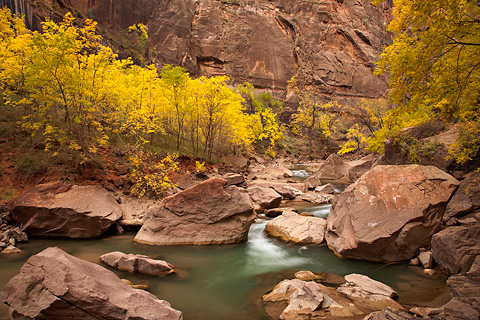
220	282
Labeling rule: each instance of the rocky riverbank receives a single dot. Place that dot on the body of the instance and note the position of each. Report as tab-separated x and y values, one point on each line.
390	213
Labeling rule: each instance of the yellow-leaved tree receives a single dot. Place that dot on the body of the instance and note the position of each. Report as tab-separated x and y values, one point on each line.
64	81
264	117
313	120
434	67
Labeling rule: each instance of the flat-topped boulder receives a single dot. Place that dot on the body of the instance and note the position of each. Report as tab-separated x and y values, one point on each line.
55	285
292	227
211	212
389	213
136	263
64	210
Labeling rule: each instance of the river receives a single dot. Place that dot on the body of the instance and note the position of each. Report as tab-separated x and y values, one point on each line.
218	282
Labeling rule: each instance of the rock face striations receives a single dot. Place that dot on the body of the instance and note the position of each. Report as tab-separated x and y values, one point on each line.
331	45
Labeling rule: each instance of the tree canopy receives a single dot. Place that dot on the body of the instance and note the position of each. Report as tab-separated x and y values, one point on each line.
434	67
76	96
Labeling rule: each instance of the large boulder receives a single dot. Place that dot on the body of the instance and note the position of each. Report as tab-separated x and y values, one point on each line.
292	227
389	213
335	169
136	263
456	248
54	285
210	212
466	199
65	210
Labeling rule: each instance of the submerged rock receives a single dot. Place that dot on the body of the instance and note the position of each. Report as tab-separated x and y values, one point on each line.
54	285
64	210
389	213
136	263
292	227
210	212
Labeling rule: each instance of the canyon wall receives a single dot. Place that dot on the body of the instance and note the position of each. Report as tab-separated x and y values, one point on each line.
329	45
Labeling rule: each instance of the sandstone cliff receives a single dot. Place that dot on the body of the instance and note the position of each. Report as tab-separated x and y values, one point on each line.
330	45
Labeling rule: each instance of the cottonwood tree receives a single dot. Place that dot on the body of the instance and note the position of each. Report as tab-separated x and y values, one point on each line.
434	67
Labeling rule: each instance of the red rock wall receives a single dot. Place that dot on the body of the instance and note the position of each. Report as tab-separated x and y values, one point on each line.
331	45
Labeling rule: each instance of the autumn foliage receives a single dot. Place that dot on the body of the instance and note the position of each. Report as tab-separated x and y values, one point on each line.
76	97
434	67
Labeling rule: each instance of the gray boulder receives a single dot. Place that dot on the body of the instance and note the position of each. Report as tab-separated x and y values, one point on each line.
54	285
211	212
64	210
389	213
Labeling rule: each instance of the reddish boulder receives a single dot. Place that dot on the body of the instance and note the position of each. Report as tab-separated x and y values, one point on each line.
292	227
389	213
456	248
265	198
54	285
136	263
210	212
334	168
466	199
64	210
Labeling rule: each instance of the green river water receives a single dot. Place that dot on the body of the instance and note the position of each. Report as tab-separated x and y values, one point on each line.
226	281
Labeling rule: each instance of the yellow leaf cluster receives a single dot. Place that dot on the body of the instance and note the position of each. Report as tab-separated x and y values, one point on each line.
76	96
434	65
